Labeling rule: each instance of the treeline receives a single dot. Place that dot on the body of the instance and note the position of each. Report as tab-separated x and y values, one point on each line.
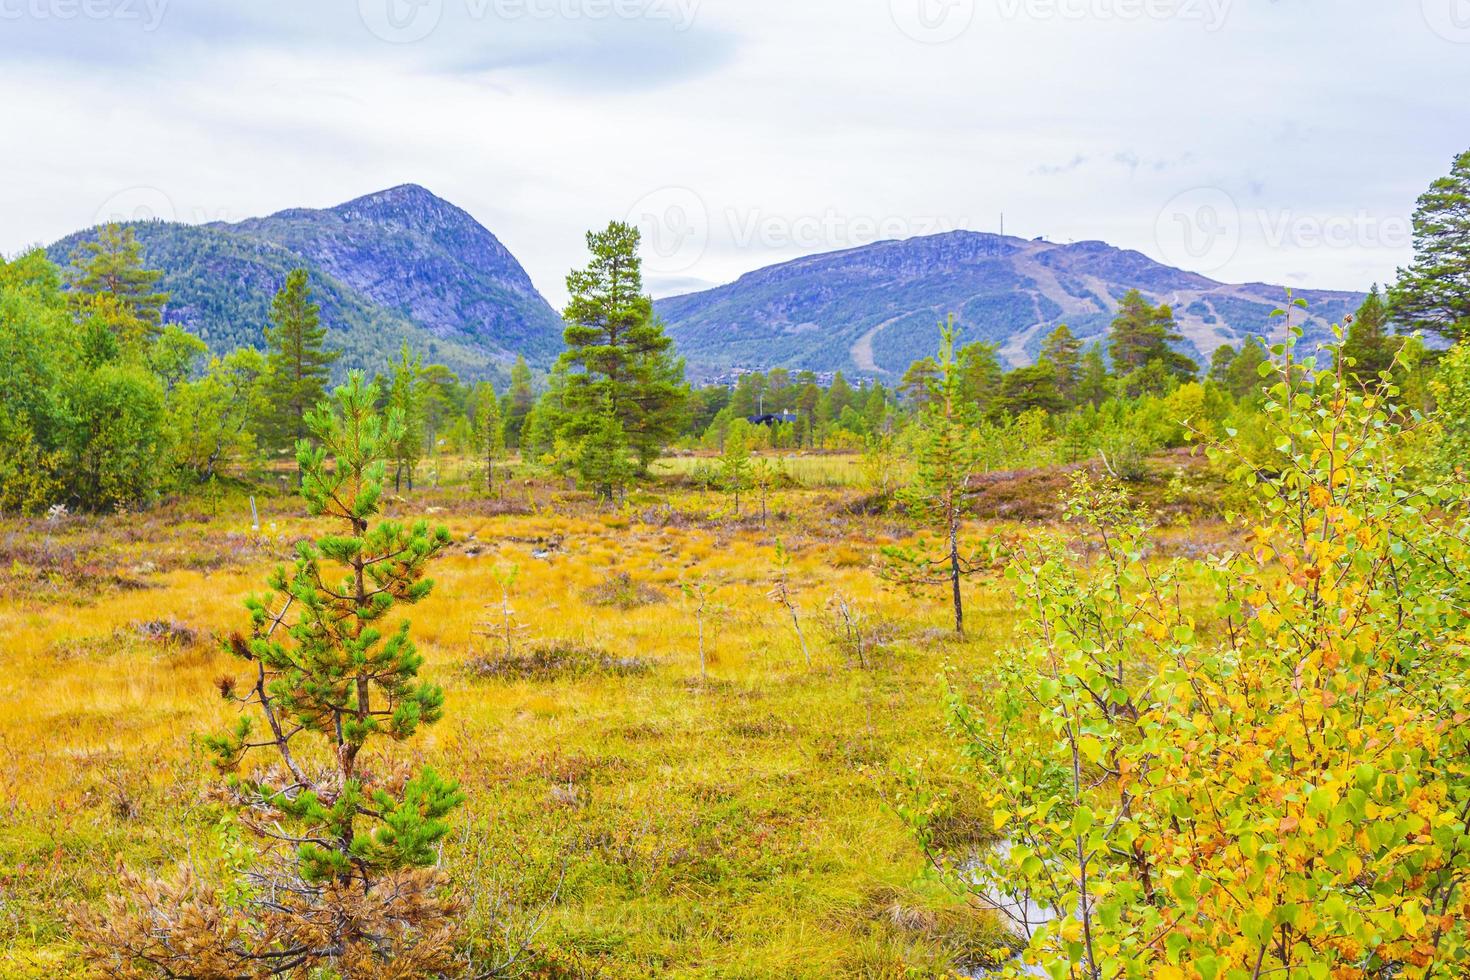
107	407
1129	395
1134	392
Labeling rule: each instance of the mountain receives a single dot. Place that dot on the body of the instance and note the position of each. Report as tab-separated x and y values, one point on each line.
873	310
399	265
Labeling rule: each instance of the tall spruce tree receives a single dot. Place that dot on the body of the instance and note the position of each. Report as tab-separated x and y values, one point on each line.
298	359
618	357
1433	293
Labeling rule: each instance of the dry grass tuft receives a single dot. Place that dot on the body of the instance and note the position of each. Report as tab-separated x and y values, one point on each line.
557	660
620	591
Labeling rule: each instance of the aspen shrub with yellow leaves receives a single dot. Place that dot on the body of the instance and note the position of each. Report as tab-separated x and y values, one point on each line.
1270	781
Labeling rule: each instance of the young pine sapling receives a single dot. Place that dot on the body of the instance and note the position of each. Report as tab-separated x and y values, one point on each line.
344	881
947	454
698	595
781	595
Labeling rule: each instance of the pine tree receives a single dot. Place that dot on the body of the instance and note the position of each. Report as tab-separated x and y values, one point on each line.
1243	375
345	884
1063	352
519	402
1092	384
980	376
1142	333
298	359
1433	294
839	395
111	266
808	397
946	454
917	382
488	429
1368	344
406	400
603	463
1033	387
737	474
749	395
1220	362
618	357
443	400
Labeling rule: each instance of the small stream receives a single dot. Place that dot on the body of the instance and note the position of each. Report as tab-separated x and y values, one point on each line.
1018	912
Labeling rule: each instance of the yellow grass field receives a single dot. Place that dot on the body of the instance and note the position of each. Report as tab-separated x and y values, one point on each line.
625	817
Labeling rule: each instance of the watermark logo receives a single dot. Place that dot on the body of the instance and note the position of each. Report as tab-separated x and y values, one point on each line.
933	21
148	14
674	222
136	204
1199	229
401	21
1450	19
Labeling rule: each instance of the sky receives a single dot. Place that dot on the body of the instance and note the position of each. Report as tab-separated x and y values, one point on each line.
1282	141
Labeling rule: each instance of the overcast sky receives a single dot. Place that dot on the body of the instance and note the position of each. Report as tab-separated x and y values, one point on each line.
1274	140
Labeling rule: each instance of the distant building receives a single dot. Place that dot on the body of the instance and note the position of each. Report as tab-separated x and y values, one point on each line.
782	418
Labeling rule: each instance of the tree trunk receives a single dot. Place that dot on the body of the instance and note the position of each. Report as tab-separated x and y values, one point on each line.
954	577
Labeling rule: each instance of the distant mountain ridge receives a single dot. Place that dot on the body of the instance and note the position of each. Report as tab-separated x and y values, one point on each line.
403	265
398	265
873	310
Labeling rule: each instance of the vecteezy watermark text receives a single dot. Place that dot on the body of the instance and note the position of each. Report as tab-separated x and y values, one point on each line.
677	227
1211	13
1202	230
147	13
938	21
407	21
